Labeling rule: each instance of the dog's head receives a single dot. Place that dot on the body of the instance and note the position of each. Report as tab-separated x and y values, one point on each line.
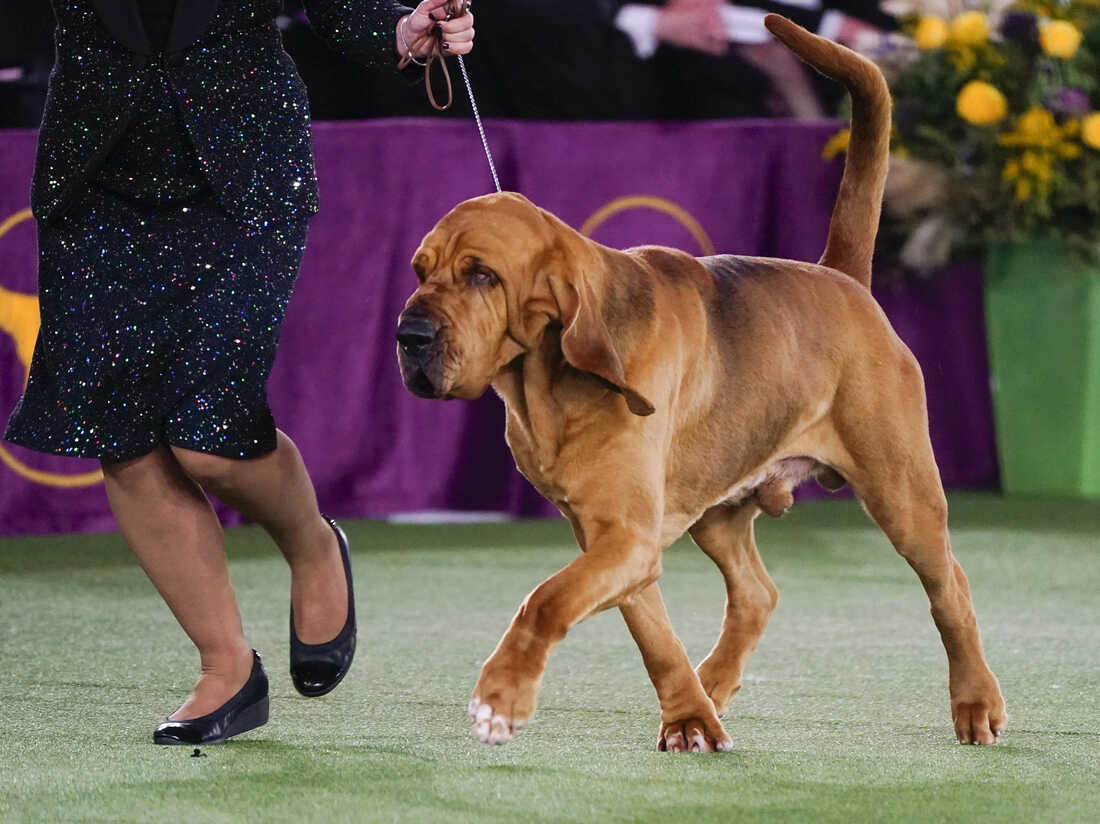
494	274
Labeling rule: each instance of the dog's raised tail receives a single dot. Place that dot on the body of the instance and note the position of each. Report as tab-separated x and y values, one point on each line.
854	224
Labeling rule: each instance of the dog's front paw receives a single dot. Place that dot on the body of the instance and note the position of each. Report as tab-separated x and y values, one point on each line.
694	735
492	727
979	716
501	705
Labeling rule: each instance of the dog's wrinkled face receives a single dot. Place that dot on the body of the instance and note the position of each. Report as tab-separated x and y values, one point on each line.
479	270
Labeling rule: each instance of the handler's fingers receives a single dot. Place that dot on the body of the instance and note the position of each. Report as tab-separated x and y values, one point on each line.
456	27
429	6
460	47
458	35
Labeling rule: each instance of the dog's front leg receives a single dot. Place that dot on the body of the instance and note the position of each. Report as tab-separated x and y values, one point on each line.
689	720
620	560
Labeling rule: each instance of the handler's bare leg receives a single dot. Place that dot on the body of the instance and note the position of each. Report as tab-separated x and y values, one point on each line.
275	491
171	528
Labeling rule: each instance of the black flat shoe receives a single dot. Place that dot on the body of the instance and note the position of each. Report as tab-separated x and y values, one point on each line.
243	712
316	669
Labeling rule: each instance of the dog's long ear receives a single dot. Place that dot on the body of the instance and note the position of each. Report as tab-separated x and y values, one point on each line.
587	342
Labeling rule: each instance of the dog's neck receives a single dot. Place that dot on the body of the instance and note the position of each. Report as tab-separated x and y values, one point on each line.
534	430
544	396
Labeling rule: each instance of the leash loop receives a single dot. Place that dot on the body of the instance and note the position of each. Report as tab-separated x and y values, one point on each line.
453	8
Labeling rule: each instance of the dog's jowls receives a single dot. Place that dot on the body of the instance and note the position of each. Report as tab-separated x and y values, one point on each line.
649	392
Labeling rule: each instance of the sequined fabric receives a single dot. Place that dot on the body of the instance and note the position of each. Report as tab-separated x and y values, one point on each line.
242	102
173	191
153	163
159	325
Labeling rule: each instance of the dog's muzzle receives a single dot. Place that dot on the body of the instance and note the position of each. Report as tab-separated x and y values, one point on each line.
417	338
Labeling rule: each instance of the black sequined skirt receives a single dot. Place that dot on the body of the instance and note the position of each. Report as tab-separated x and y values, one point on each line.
160	311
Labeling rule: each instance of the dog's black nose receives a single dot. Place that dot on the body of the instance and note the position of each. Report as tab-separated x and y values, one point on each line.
416	333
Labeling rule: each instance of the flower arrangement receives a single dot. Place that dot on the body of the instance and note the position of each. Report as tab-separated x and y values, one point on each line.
996	126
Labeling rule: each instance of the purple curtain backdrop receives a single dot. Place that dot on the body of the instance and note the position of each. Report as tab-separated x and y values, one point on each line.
754	187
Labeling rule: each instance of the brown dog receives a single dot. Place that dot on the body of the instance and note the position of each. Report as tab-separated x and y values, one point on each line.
649	392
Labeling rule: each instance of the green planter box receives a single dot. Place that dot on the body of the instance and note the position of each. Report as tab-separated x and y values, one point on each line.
1043	317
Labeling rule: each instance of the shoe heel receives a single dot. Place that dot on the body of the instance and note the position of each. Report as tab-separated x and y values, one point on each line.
250	718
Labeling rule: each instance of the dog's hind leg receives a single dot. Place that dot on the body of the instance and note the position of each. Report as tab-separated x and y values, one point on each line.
725	534
688	718
895	476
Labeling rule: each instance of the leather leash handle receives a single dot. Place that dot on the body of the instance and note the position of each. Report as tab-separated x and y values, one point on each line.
454	8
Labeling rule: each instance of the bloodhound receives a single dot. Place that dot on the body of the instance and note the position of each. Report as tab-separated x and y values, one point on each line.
649	392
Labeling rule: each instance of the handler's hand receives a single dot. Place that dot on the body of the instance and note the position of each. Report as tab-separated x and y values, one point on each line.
693	24
414	31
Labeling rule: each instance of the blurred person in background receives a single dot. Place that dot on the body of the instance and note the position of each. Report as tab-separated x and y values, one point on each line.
536	59
716	59
610	60
26	54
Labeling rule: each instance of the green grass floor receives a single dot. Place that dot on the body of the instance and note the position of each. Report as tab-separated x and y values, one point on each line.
843	717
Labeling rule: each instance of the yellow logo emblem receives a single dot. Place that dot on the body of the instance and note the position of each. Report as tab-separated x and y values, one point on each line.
660	204
19	320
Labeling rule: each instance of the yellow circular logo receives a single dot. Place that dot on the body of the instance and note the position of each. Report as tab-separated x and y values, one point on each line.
659	204
19	321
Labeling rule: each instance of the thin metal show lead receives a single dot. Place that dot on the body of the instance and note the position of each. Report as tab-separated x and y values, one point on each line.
477	119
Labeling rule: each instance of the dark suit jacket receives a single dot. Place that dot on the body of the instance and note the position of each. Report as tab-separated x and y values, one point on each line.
693	85
239	95
866	10
557	60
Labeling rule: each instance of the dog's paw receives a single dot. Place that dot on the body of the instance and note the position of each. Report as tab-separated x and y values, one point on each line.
718	685
979	722
693	735
491	727
503	700
978	710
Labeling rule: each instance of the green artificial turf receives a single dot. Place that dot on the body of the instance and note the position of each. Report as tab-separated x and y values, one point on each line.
843	716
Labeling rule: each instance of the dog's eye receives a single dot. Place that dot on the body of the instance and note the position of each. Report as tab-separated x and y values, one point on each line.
481	276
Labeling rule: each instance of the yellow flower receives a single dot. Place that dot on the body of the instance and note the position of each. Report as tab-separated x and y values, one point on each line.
970	28
1090	130
931	33
1059	38
837	143
1043	143
980	103
1035	122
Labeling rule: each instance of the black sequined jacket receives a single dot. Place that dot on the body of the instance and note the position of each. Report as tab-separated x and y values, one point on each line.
238	93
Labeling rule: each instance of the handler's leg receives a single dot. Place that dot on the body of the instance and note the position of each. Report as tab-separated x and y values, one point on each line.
275	491
171	528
